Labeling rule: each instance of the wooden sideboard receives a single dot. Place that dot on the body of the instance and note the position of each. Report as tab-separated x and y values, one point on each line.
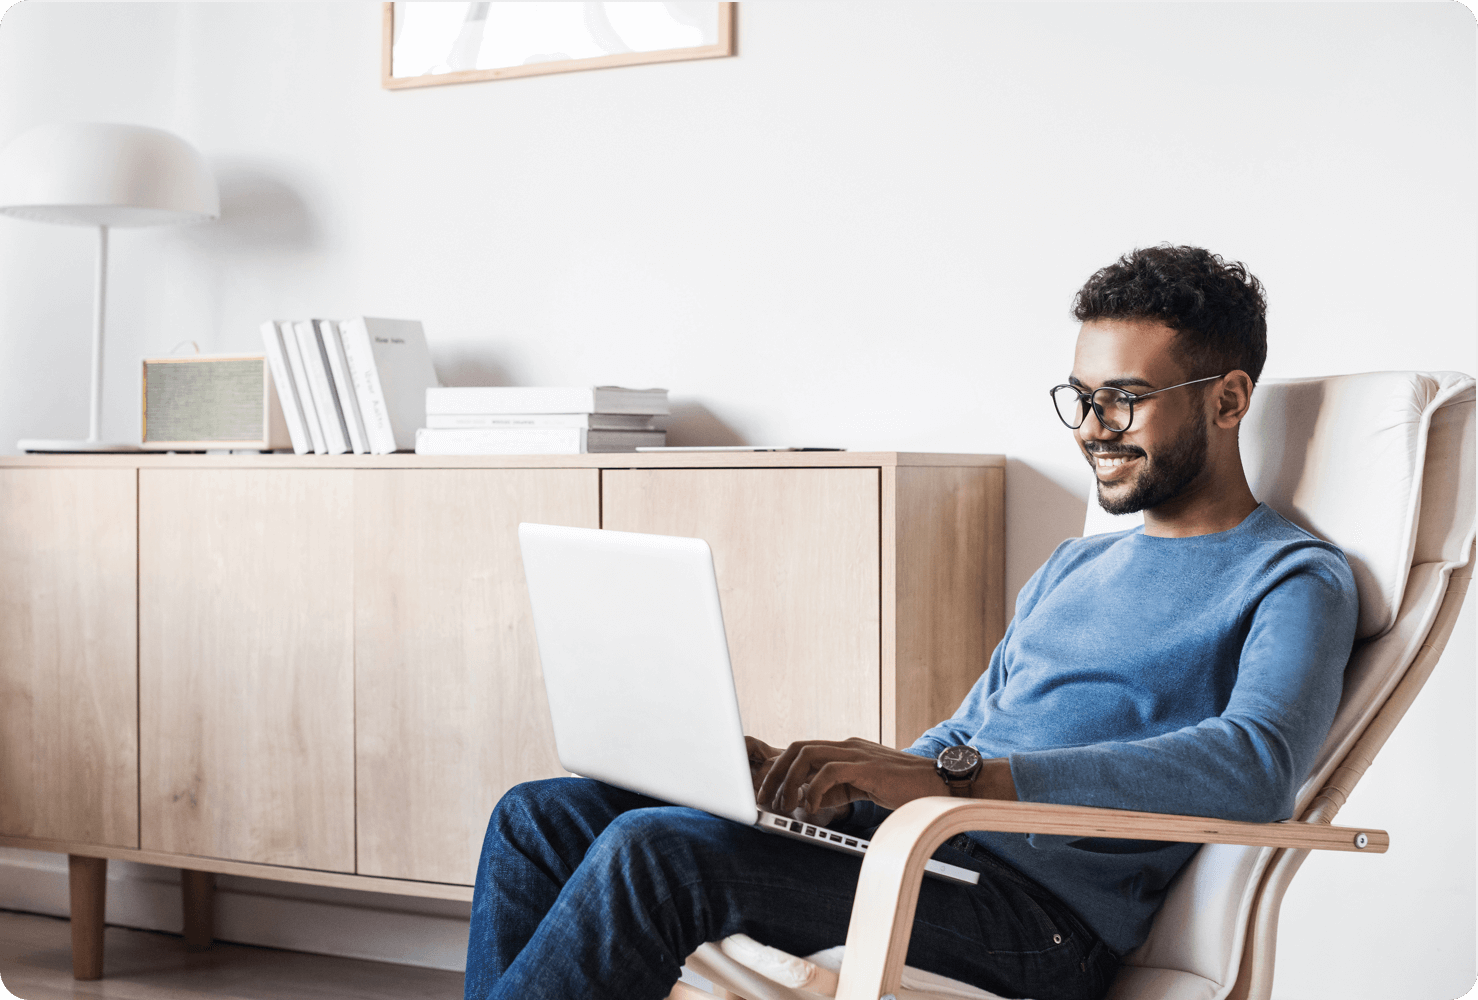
323	669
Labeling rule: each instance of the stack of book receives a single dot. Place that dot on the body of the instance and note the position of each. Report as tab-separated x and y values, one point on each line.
350	385
541	421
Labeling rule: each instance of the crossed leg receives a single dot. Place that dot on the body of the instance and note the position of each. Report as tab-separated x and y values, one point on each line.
587	890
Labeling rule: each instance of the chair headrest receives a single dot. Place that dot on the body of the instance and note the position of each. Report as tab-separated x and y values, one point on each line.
1344	458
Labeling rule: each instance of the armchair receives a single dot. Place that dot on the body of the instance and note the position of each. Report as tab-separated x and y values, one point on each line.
1382	464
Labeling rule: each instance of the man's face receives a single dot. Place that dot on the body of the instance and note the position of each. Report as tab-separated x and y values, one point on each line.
1164	449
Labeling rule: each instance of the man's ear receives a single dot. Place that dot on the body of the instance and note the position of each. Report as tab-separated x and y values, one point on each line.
1232	398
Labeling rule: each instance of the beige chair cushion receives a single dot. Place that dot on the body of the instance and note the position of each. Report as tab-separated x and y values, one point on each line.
759	973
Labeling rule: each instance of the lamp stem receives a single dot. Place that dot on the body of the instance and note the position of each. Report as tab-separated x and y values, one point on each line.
100	308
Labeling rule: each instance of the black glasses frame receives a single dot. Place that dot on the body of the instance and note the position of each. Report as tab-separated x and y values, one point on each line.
1133	398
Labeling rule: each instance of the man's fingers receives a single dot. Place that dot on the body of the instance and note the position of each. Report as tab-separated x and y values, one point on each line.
781	768
831	786
778	768
807	760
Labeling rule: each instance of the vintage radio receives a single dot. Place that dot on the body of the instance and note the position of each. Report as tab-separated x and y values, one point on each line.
202	402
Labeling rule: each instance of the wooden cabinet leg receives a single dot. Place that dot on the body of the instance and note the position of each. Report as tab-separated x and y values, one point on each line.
87	879
198	890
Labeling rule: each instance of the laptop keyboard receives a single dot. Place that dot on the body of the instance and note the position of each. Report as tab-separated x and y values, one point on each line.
776	823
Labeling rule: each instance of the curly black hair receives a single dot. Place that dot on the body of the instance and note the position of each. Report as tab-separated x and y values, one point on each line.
1217	308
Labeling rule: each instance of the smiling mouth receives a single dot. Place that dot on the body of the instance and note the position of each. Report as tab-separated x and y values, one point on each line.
1109	465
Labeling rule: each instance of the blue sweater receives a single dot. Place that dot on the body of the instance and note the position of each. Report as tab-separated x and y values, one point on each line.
1178	675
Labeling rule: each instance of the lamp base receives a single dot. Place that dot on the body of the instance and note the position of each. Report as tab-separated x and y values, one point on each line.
70	447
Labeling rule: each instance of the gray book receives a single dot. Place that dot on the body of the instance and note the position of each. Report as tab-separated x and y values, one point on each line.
390	365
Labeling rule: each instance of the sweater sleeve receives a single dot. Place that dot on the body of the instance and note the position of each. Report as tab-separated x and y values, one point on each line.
1247	762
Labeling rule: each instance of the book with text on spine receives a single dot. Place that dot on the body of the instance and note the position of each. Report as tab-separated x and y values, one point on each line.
390	366
333	348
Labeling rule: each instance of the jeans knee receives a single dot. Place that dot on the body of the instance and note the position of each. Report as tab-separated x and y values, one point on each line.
669	839
546	797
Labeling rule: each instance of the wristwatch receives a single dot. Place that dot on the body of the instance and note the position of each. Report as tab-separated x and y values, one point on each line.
958	766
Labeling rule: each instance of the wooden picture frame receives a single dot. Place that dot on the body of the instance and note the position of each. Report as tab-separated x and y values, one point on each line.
723	46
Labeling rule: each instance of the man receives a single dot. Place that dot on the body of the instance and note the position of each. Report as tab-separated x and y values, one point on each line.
1192	666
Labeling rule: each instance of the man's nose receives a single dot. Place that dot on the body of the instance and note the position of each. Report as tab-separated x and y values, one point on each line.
1092	429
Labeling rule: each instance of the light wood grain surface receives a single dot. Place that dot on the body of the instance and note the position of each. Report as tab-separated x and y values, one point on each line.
223	866
68	700
796	556
405	460
246	695
450	702
943	581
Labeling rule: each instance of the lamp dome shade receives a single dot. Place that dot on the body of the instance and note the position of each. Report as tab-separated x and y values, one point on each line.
95	174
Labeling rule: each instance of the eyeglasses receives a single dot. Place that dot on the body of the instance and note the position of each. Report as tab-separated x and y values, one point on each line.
1113	407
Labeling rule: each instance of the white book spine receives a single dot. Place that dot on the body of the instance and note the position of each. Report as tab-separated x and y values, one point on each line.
334	344
499	441
594	421
287	392
510	399
305	390
546	399
335	441
359	356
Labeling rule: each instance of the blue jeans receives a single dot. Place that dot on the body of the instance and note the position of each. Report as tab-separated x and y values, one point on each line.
585	890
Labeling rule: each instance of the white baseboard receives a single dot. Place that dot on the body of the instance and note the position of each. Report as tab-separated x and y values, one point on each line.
371	925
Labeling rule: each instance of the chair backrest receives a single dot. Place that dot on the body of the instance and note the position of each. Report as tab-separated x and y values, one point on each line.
1382	465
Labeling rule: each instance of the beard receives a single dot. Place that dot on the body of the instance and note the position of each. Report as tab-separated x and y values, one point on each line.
1164	477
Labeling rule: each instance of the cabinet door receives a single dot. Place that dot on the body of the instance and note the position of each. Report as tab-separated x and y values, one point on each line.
246	665
451	709
796	552
68	696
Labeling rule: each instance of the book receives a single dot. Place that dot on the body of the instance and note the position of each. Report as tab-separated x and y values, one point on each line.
333	345
536	399
335	438
736	447
390	366
593	421
530	440
287	392
300	379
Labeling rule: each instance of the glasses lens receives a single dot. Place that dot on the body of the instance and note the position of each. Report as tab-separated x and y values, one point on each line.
1115	406
1071	405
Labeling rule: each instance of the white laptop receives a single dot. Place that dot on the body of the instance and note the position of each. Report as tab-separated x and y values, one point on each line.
636	664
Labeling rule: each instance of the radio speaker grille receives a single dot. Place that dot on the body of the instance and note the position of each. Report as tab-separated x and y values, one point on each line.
204	400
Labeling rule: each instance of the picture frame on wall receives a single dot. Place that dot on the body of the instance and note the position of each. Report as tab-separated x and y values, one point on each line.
431	42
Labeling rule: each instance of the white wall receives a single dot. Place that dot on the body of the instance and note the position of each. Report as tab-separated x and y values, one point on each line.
864	231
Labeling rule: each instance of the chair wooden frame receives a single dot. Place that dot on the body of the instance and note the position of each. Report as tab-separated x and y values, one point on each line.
888	887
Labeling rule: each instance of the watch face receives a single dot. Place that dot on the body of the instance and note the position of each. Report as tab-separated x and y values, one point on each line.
959	760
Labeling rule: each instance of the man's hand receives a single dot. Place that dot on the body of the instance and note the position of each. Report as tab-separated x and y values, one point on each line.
820	778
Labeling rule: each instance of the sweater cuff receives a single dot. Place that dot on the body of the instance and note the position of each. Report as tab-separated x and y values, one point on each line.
1037	774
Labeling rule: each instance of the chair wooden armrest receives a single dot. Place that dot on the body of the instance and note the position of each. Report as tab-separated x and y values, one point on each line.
888	889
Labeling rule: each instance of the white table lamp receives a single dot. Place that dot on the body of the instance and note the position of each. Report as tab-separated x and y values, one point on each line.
93	174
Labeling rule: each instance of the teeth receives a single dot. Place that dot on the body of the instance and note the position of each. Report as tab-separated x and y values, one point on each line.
1111	461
